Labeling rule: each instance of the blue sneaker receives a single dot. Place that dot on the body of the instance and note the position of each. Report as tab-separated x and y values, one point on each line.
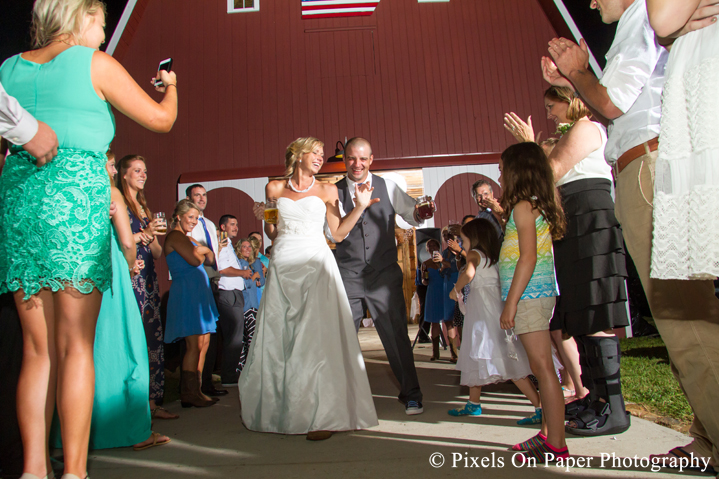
469	409
413	407
536	419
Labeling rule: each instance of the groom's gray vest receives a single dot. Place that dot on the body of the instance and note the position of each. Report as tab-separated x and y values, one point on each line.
371	241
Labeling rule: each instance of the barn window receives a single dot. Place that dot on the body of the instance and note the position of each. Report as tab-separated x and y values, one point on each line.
235	6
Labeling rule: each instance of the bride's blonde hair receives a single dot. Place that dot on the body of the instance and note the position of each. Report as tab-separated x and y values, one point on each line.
296	149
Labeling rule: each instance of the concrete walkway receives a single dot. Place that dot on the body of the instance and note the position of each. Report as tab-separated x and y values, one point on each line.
213	443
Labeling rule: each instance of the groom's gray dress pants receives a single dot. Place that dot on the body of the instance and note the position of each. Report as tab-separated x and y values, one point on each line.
381	292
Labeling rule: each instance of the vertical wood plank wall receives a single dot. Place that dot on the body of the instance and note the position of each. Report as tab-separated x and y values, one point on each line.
414	78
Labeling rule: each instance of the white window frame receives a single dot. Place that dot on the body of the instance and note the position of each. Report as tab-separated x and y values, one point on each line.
231	7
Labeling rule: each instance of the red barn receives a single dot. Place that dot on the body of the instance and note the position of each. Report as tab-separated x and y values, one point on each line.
427	83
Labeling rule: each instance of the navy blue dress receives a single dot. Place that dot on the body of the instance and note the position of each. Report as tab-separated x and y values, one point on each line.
147	293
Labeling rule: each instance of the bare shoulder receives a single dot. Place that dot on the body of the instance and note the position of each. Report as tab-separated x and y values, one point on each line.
583	130
474	257
328	191
275	188
117	196
524	210
173	238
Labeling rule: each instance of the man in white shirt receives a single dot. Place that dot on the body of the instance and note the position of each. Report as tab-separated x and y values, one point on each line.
629	93
20	128
205	233
231	303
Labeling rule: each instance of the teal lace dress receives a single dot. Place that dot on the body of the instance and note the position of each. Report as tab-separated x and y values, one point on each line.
120	411
54	222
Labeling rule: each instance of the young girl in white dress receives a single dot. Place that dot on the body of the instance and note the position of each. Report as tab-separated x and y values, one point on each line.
486	357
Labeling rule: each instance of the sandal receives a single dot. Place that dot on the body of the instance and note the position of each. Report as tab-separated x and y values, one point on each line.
168	414
568	393
155	442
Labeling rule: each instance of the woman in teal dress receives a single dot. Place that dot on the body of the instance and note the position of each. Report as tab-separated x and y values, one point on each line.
121	411
54	224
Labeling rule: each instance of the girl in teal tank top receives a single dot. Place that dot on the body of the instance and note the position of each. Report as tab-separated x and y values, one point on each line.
54	224
526	268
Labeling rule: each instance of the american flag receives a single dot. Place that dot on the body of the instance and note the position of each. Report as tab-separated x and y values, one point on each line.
337	8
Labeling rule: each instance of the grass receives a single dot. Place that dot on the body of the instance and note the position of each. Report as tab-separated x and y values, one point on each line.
647	379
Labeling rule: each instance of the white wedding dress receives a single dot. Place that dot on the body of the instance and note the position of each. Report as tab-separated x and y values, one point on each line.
305	370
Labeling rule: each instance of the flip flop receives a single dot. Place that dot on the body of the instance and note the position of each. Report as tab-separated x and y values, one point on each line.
681	453
154	436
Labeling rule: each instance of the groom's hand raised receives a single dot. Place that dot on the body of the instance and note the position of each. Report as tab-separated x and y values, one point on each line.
363	196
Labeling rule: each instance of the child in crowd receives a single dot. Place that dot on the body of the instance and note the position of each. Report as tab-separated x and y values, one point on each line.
534	217
486	355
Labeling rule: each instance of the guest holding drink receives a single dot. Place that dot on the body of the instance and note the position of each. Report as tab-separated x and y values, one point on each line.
55	235
131	179
248	260
433	273
191	311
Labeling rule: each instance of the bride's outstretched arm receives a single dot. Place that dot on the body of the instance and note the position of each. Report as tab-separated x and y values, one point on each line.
340	227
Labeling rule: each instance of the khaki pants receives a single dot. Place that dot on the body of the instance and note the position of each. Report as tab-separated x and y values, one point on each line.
686	312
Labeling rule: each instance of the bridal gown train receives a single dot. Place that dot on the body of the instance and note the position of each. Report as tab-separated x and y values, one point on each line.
305	370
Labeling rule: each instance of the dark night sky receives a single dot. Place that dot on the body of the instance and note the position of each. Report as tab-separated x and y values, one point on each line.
15	24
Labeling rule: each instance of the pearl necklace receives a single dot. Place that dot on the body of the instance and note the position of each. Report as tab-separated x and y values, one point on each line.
292	187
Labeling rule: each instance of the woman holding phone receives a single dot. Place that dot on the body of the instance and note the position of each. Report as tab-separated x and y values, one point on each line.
55	231
433	273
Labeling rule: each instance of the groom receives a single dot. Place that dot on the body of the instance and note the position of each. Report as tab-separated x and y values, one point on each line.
367	261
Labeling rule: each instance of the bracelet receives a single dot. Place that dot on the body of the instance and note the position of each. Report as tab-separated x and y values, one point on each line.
171	84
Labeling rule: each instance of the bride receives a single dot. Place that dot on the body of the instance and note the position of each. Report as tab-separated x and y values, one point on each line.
305	373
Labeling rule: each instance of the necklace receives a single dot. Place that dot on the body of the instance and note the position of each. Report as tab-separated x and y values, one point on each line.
296	190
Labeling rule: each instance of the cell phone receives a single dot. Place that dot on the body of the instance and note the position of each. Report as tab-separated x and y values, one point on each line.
223	236
166	65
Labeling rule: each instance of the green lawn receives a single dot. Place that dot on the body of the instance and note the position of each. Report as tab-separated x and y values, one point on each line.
647	378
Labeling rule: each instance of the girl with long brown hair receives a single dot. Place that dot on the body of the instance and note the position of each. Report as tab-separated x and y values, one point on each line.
534	217
590	266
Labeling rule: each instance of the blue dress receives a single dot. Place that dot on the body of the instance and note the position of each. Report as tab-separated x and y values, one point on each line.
191	307
451	275
147	294
434	302
264	261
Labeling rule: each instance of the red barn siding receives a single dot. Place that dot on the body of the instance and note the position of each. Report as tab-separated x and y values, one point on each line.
415	79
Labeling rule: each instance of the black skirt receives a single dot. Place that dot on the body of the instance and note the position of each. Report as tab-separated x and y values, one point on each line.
589	261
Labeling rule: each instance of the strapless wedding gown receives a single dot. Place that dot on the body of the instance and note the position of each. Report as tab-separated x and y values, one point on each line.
305	370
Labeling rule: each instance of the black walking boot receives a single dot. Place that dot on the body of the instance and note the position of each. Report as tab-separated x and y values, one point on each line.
606	415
